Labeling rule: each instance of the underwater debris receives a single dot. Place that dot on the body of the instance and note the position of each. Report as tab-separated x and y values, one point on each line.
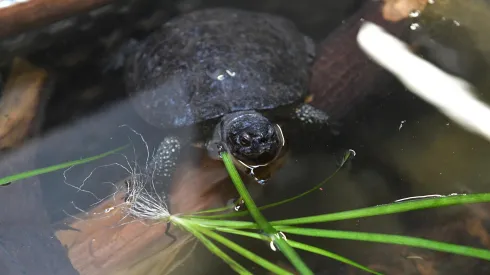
28	242
127	229
342	75
20	102
396	10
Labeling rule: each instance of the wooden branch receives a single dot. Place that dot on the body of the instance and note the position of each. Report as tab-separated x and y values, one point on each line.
36	13
343	75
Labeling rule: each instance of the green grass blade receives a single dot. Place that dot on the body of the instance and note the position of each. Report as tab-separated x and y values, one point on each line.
393	208
323	252
283	246
238	268
223	223
242	190
397	207
390	239
344	160
243	233
214	210
245	212
301	246
52	168
246	253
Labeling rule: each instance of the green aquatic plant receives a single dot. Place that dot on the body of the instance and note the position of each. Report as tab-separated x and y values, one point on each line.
27	174
207	228
211	226
274	235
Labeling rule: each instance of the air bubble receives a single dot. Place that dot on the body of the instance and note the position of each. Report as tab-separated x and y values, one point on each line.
414	26
414	13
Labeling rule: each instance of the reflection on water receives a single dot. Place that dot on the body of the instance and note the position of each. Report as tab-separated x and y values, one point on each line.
404	148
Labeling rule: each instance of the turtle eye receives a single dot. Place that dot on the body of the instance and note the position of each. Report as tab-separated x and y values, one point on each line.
245	139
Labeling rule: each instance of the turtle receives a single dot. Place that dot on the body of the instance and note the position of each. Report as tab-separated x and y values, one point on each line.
234	73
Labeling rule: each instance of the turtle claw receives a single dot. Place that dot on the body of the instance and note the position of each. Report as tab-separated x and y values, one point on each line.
164	162
311	115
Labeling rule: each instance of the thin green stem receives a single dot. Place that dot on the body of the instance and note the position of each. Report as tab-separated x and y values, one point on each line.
246	253
283	246
398	207
242	190
212	247
393	208
245	212
323	252
391	239
301	246
214	210
222	223
52	168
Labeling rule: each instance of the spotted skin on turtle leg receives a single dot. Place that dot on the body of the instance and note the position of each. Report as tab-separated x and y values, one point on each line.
164	162
309	114
162	167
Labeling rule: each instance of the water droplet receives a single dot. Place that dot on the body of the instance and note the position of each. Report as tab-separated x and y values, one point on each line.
414	26
414	13
261	181
257	178
235	204
273	247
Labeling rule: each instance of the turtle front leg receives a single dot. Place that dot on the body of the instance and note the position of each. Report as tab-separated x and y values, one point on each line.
310	115
163	164
161	169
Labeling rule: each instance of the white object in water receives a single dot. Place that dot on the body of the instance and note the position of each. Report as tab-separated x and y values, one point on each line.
451	95
8	3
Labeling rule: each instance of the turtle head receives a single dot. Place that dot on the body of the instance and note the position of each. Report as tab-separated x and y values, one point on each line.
251	138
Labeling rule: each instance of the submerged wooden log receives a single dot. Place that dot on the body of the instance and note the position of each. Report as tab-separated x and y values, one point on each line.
107	241
20	103
33	14
39	24
343	75
28	242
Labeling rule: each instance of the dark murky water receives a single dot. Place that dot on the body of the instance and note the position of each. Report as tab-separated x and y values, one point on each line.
404	148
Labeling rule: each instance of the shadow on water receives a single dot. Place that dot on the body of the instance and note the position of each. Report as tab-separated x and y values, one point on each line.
403	148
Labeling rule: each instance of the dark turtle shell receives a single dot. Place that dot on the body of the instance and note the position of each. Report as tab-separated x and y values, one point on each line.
211	62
